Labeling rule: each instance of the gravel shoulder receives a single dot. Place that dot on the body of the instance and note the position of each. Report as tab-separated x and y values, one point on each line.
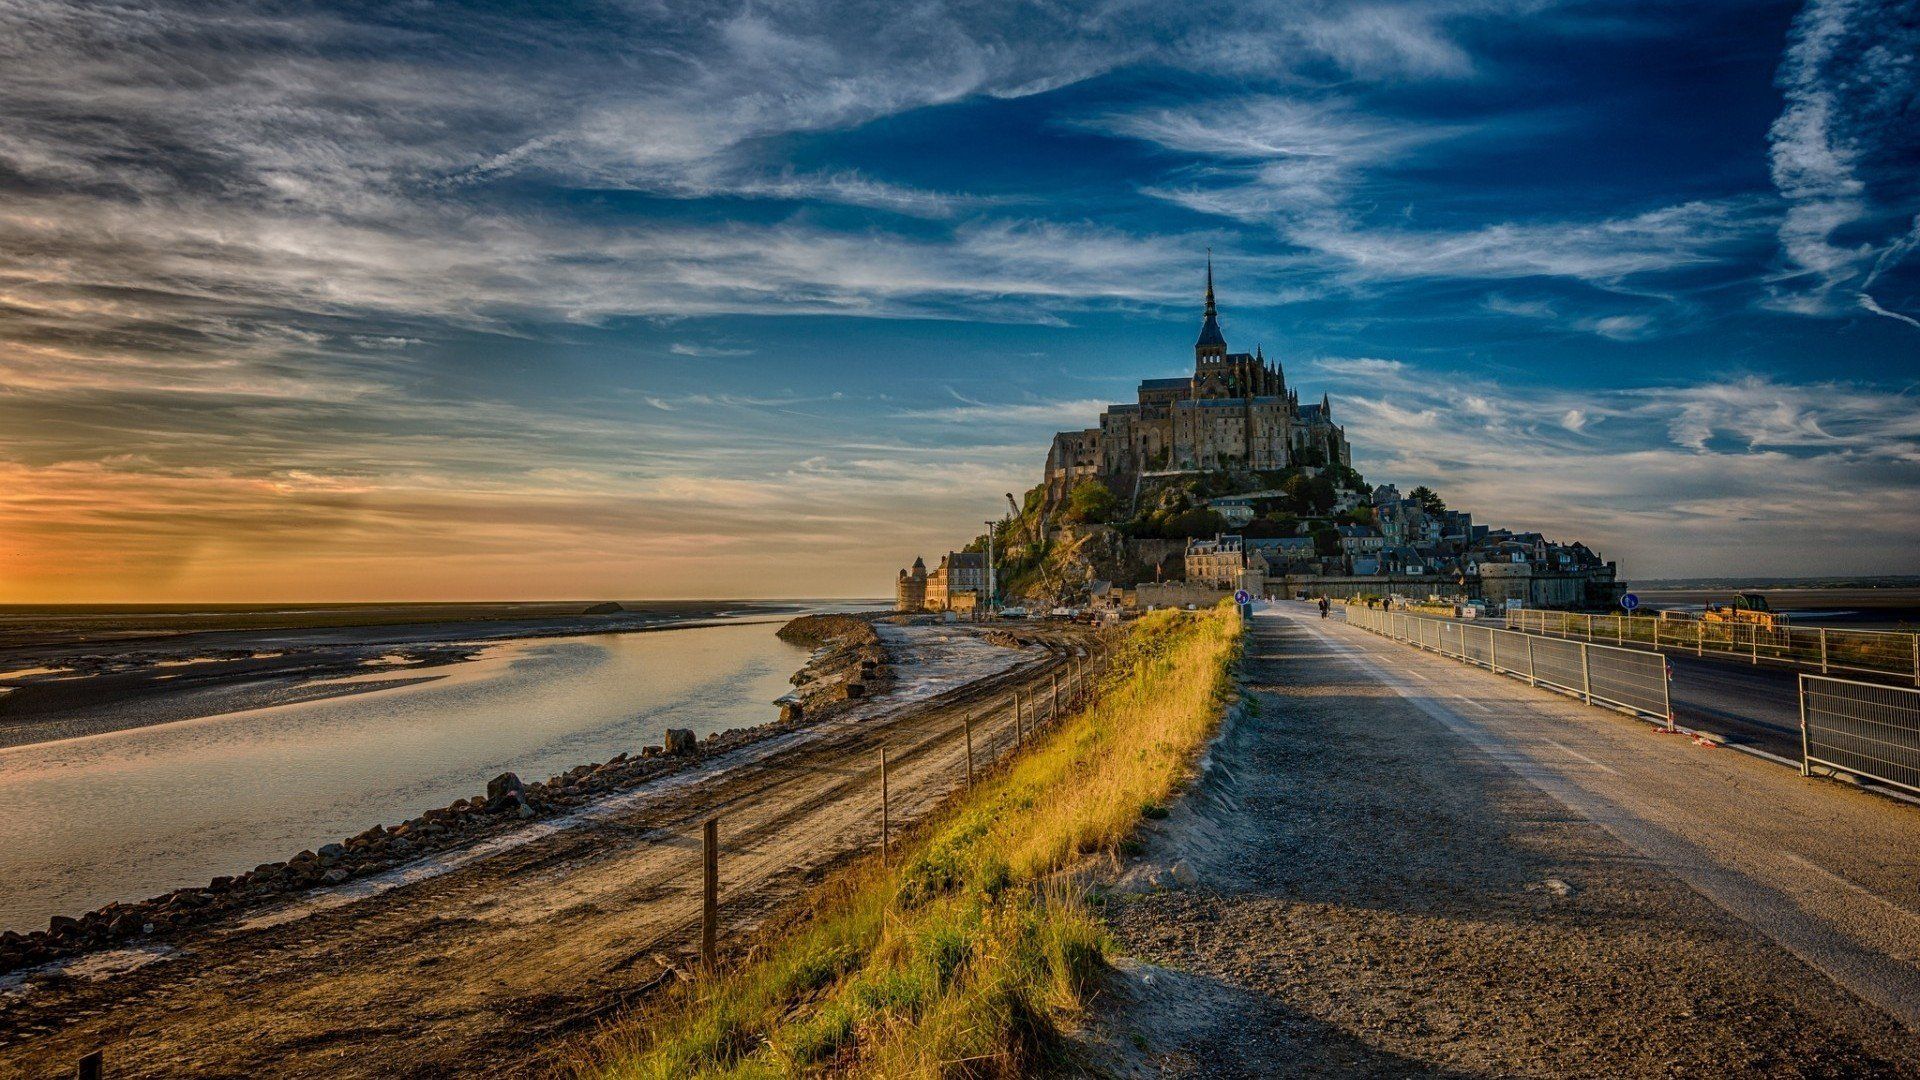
482	968
1394	865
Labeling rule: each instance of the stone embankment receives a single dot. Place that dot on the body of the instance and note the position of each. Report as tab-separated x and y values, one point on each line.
850	663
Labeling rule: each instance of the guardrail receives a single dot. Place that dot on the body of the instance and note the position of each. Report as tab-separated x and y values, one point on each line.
1867	729
1811	648
1631	679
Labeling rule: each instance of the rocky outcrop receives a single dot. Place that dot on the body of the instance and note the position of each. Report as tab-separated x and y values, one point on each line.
849	663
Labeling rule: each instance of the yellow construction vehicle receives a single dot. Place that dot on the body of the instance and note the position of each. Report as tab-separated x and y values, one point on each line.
1747	609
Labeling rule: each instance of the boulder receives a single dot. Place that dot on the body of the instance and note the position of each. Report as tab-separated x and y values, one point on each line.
680	741
503	785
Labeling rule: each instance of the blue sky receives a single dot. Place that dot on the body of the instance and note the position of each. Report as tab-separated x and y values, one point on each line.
448	300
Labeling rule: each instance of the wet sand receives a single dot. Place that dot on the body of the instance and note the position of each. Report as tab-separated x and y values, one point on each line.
68	672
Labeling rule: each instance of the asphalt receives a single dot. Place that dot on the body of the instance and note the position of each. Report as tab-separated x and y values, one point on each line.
1754	706
1826	871
1397	865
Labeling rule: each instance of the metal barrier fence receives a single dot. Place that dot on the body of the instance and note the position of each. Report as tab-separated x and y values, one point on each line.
1813	648
1630	679
1867	729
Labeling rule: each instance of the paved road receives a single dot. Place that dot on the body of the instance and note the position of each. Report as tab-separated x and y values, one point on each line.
1756	706
1746	704
1828	872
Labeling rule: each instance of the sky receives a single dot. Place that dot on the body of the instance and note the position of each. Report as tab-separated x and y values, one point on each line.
428	300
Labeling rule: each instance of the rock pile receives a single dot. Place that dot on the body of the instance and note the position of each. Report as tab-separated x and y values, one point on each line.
850	663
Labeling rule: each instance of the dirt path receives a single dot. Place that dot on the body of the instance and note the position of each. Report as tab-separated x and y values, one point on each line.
476	970
1404	866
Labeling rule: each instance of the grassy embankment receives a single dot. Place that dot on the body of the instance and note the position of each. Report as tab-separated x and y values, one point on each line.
963	958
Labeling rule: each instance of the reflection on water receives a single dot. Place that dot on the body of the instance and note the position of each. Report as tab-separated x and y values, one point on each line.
126	815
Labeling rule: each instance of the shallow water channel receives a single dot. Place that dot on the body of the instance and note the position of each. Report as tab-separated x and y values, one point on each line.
125	815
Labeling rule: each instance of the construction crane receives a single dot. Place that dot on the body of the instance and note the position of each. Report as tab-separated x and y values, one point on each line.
1039	525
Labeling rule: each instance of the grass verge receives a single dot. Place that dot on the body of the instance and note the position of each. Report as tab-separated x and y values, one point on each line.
965	956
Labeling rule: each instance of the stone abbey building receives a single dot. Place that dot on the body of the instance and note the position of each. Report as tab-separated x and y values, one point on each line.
1234	413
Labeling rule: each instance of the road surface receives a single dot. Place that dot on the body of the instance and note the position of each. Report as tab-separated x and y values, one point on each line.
1404	865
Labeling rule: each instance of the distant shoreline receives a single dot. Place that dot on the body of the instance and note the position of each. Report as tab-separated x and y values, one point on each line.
106	683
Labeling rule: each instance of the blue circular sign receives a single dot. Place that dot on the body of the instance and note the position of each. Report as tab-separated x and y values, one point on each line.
1629	601
1241	596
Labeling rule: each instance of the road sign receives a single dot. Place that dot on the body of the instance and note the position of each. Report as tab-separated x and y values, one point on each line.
1241	596
1629	601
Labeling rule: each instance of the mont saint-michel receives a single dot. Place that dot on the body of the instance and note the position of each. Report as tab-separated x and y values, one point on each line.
1406	506
1223	480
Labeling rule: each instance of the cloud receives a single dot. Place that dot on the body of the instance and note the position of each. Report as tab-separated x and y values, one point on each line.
1302	163
683	348
1844	142
1602	251
1076	413
1740	475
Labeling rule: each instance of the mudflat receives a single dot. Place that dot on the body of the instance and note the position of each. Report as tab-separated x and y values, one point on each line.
73	671
1888	608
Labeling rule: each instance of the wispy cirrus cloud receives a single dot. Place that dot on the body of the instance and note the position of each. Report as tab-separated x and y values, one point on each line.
1842	155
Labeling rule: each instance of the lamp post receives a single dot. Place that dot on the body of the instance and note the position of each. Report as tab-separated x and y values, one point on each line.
990	605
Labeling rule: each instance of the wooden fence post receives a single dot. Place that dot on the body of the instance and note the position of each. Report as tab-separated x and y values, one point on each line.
710	893
969	724
885	812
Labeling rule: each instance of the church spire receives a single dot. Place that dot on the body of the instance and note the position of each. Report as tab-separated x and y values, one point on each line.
1212	343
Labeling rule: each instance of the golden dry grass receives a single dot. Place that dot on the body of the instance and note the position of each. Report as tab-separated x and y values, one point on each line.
963	958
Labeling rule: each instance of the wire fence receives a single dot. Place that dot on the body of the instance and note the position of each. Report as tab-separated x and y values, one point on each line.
1867	729
1629	679
901	770
1810	648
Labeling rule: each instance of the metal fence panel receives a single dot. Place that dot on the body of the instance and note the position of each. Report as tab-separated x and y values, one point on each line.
1635	680
1558	664
1478	642
1810	648
1867	729
1629	679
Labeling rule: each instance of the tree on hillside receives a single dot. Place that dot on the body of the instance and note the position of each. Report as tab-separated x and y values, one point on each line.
1359	515
1326	541
1429	499
1193	523
1322	493
1091	501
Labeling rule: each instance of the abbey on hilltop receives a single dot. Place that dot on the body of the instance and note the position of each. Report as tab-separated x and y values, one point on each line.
1233	414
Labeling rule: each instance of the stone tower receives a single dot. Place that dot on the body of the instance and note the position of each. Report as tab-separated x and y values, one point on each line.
910	588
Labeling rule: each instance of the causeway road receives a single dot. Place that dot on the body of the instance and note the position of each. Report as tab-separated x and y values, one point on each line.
1398	864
